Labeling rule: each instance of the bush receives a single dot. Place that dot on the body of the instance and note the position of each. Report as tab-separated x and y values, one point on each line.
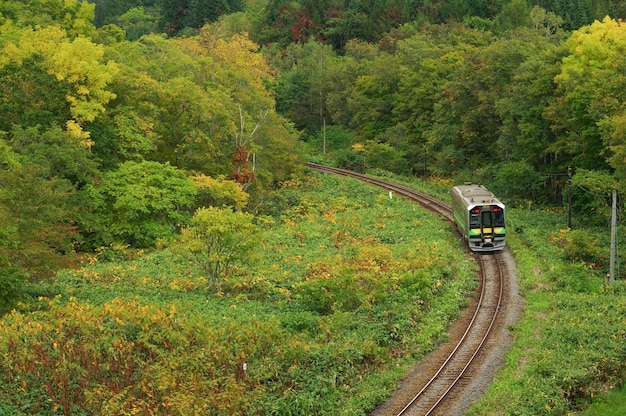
517	181
575	278
580	246
12	281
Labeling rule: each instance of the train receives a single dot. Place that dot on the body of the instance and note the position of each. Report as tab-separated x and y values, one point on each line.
479	216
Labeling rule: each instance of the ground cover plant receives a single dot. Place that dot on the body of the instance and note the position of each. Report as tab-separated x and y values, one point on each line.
570	344
613	404
349	287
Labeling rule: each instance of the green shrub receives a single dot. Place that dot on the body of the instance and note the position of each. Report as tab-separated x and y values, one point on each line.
581	245
575	278
12	282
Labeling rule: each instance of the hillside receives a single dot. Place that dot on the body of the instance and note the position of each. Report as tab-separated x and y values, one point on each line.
158	229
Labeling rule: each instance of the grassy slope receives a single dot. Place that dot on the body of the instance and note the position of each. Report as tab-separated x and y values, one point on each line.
612	404
350	289
570	345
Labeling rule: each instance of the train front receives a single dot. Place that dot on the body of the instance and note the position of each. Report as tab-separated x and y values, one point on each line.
486	231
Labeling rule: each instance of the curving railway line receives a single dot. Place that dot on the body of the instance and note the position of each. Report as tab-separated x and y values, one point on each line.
448	380
428	202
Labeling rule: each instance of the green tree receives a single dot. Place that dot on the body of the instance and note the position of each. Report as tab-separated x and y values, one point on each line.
217	240
372	97
419	88
304	84
277	155
162	111
514	14
12	282
40	199
591	92
75	17
385	156
202	12
55	152
578	13
336	138
462	114
109	34
361	90
591	196
614	132
108	11
545	21
192	100
37	222
140	203
180	14
137	22
517	181
345	25
124	134
526	133
31	95
75	63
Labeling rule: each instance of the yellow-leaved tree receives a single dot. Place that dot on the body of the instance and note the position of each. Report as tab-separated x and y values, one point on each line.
219	192
592	102
75	63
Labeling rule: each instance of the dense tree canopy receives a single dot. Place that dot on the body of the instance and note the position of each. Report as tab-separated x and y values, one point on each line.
103	140
511	93
525	101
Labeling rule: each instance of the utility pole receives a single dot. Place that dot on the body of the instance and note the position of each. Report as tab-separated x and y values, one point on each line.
613	237
324	133
569	197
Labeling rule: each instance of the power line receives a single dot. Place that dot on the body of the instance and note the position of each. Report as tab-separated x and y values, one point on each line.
593	193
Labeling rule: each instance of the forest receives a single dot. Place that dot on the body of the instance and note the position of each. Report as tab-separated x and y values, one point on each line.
95	111
513	93
143	125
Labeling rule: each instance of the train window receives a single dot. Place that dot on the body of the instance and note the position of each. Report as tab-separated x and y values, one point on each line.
475	218
498	218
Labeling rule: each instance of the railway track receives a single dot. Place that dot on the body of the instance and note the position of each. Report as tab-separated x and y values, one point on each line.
441	385
457	365
427	201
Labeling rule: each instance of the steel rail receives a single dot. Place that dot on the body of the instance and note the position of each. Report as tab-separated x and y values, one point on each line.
475	350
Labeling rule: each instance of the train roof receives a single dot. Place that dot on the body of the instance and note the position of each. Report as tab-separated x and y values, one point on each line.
476	194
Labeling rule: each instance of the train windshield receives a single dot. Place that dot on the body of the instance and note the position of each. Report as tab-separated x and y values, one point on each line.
498	217
486	219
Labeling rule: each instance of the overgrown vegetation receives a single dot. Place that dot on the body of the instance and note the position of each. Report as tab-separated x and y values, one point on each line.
350	288
615	404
